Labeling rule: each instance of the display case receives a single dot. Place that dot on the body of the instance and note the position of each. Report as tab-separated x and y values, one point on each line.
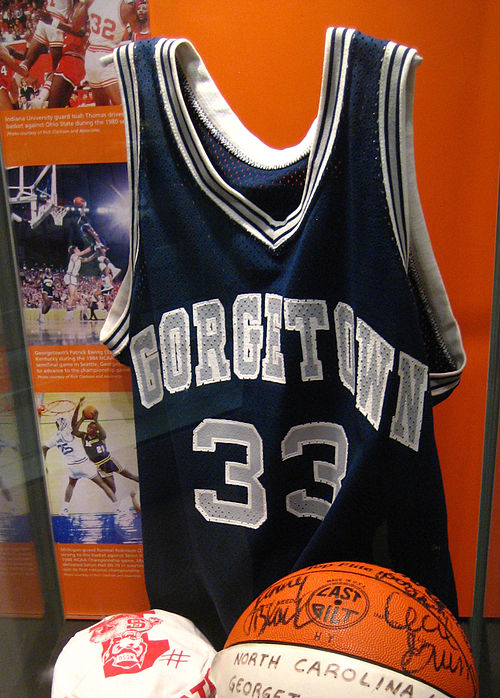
65	185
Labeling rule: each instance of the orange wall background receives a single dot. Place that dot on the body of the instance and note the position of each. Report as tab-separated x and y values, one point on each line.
266	58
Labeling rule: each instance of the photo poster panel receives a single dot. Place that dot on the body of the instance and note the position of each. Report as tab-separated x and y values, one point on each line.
63	143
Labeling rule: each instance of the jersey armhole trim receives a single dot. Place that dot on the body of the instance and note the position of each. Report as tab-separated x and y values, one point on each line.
410	230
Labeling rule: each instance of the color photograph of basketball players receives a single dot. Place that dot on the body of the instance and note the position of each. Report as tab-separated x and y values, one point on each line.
71	225
76	460
94	443
15	82
54	46
88	444
110	22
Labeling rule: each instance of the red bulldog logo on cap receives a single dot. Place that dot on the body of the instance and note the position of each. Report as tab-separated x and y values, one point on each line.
126	647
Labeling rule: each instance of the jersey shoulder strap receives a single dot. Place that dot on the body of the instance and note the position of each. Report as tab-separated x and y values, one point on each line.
442	334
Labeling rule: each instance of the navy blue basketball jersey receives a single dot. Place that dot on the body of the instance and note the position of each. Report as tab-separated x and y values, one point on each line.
47	285
288	332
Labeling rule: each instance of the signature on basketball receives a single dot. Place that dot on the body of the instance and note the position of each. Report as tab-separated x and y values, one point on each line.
267	612
428	639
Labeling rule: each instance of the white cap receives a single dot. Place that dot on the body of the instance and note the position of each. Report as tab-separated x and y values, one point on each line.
149	654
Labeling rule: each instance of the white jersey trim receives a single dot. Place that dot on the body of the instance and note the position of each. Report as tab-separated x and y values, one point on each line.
410	230
317	144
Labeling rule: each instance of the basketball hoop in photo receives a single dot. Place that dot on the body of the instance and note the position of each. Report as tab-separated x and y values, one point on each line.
58	214
35	186
57	407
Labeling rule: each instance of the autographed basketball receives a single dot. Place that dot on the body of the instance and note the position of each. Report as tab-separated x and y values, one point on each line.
345	629
90	412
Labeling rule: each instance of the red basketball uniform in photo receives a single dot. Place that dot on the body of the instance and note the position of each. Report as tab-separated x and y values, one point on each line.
72	63
6	77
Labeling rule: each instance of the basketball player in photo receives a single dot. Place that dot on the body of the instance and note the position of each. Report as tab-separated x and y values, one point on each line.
142	10
78	464
70	69
9	89
94	443
77	258
109	21
109	271
48	35
47	288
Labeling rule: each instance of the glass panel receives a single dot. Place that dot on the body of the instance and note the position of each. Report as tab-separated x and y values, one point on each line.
30	605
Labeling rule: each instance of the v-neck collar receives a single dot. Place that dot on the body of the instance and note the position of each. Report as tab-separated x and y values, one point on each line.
178	55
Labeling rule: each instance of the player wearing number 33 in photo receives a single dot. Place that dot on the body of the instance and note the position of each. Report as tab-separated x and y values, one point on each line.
108	22
288	331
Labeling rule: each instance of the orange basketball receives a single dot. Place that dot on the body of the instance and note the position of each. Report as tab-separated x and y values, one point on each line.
90	412
345	629
79	201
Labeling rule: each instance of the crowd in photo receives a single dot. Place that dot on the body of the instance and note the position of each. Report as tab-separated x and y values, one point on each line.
18	19
91	296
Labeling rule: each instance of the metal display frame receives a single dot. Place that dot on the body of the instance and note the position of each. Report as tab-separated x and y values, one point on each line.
490	452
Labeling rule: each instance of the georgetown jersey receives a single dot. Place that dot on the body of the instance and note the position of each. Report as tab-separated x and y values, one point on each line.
48	285
288	332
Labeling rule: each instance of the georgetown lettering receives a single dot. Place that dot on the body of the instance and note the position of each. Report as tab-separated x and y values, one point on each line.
364	358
